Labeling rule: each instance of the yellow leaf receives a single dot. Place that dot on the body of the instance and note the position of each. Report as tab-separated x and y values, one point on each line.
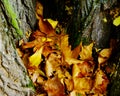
71	60
53	23
101	82
105	20
39	9
52	64
86	52
116	21
46	39
66	50
76	51
82	84
104	55
101	60
36	58
49	68
75	70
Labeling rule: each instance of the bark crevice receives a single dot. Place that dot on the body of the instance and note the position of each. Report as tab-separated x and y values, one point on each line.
14	79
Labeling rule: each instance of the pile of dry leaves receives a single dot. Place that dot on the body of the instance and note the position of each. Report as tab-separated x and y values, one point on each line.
55	69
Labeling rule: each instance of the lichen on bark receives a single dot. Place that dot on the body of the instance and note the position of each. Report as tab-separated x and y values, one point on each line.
14	79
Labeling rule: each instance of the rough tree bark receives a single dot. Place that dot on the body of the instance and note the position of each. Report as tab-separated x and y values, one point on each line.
83	19
16	18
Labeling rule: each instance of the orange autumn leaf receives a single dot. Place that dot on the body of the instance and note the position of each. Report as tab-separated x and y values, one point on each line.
66	50
35	44
37	34
104	55
83	85
52	63
36	58
86	52
55	68
39	10
42	41
76	51
47	50
46	27
54	87
75	70
101	82
84	69
29	44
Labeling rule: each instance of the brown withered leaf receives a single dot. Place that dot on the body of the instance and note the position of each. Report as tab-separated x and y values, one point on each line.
54	87
66	50
82	85
25	59
42	42
84	69
101	82
39	9
29	44
52	64
68	81
46	27
86	52
76	51
37	34
47	50
20	53
104	55
62	71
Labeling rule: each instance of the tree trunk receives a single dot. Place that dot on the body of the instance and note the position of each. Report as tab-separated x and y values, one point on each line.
16	18
83	19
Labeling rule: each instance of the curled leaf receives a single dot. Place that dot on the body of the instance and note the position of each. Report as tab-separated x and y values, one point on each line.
104	55
39	9
46	27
